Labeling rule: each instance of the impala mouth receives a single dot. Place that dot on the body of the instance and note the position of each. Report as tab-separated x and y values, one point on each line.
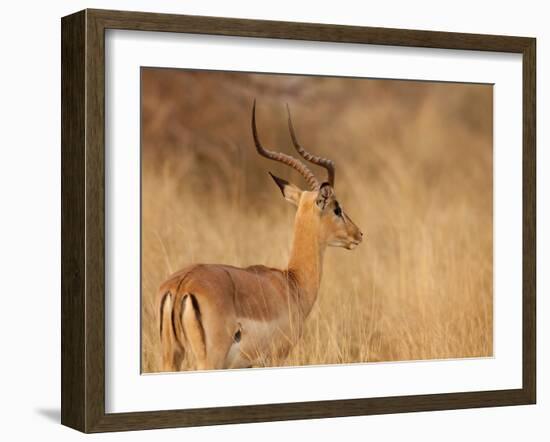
353	244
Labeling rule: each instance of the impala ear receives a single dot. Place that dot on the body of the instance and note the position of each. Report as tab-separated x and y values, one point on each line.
326	193
291	192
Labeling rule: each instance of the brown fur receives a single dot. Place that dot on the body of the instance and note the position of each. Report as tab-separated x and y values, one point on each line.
207	304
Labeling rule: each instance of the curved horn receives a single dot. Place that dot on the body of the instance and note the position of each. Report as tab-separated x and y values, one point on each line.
320	161
281	157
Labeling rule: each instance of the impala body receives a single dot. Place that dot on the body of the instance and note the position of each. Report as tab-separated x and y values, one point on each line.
220	316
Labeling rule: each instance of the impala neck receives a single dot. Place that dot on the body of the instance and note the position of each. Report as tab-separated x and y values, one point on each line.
306	259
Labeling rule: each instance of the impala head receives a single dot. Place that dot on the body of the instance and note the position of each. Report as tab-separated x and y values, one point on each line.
317	207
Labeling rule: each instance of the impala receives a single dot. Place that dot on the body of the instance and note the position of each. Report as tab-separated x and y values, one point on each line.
219	316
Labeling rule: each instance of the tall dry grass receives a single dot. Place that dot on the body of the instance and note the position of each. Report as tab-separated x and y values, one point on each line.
414	171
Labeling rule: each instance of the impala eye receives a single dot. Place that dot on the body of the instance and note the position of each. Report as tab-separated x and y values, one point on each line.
338	211
237	337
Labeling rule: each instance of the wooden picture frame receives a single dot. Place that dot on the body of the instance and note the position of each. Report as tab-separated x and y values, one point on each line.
83	220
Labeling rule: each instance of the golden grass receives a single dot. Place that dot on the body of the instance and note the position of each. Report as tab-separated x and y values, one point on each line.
414	171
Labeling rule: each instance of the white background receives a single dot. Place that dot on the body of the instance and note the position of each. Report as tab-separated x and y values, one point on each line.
128	391
30	222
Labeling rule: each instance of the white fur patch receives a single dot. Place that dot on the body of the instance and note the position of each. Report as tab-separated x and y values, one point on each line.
262	339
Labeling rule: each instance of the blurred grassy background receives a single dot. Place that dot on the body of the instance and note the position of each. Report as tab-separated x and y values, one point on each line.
414	171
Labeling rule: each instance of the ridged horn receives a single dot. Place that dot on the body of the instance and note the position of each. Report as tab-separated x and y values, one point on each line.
320	161
282	157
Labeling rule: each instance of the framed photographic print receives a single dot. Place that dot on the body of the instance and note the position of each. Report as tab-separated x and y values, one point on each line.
268	220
